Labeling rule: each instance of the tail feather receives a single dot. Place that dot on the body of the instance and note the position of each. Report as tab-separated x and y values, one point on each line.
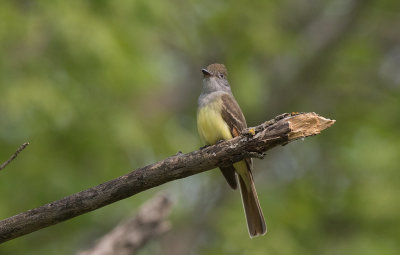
230	176
254	216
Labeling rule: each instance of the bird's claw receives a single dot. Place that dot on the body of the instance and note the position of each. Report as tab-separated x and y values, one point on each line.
253	154
205	146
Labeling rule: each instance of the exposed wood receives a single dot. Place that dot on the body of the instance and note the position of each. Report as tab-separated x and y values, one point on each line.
279	131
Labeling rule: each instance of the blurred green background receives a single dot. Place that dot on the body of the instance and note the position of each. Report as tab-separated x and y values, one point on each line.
103	87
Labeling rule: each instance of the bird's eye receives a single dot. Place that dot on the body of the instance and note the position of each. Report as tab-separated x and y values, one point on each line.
220	75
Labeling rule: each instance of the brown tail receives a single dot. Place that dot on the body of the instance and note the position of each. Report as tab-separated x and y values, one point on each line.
254	216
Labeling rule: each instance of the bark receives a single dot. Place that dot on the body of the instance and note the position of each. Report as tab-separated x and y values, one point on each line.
279	131
131	235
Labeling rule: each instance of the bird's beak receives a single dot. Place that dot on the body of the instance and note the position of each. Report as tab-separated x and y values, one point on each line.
205	72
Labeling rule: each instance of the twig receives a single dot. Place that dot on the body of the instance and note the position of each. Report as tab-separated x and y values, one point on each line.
21	148
276	132
129	236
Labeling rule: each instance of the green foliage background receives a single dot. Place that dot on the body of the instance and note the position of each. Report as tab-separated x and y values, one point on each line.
103	87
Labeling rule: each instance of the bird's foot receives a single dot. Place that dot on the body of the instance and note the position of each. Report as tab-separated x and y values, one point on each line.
253	154
220	141
205	146
249	132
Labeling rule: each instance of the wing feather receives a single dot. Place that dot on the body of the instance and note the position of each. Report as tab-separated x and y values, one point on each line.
233	116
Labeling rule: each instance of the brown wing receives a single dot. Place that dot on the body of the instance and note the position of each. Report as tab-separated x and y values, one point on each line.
233	116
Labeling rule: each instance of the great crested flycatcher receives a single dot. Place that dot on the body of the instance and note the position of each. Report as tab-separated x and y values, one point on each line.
219	117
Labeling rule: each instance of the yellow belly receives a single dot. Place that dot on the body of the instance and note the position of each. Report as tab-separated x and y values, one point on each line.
210	124
212	128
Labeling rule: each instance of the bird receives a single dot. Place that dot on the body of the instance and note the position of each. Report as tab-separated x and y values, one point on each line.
219	117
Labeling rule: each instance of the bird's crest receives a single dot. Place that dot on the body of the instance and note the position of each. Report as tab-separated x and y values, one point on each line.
217	68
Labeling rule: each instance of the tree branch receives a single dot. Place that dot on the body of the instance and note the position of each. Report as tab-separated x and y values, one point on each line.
21	148
279	131
129	236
